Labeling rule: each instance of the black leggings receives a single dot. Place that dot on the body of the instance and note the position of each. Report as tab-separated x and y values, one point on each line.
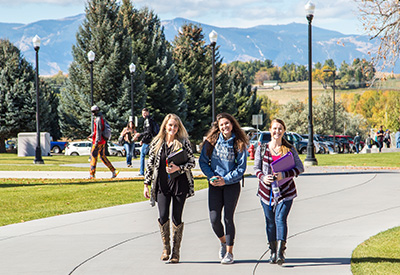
223	197
164	201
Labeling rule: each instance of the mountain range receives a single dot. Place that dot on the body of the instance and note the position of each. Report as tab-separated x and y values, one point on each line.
279	43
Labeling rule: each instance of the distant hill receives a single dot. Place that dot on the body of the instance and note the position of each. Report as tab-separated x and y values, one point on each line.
279	43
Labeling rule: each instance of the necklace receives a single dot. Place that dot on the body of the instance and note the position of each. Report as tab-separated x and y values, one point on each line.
276	153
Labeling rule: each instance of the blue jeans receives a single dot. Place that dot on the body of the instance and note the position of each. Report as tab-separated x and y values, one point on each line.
276	220
129	149
143	153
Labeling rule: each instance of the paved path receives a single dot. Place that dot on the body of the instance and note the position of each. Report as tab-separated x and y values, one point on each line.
336	210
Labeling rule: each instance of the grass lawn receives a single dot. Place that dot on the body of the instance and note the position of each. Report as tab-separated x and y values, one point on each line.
378	255
29	199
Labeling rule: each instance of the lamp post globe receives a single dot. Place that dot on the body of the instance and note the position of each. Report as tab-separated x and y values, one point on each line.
38	152
213	38
91	56
310	159
132	69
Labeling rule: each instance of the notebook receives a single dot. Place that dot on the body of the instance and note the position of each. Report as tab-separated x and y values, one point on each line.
178	157
283	164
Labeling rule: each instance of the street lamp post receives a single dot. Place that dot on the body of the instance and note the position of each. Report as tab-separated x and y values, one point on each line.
310	159
334	111
91	56
213	38
38	151
132	69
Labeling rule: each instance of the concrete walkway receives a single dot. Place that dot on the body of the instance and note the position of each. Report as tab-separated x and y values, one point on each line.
336	209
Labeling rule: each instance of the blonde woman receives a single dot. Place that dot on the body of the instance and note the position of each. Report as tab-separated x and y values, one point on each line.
166	189
276	210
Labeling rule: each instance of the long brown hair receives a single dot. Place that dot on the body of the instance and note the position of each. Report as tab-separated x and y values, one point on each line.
179	137
286	145
241	140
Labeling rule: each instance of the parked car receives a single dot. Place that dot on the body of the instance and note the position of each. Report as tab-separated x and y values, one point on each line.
81	148
321	147
78	148
293	138
58	146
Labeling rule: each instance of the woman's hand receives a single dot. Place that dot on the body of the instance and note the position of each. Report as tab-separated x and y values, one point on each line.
146	192
172	168
219	181
270	178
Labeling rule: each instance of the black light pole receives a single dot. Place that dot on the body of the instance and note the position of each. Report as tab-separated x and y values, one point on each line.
132	69
213	38
91	56
310	159
334	111
38	151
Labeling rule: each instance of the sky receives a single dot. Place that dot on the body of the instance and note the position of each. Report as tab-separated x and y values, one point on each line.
339	15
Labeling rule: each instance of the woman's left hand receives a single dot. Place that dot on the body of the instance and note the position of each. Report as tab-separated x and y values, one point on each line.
172	168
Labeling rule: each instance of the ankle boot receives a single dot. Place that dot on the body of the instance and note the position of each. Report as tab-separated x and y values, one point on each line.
177	232
281	246
165	233
272	247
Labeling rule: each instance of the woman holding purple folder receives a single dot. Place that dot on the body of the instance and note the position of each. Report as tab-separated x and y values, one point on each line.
277	204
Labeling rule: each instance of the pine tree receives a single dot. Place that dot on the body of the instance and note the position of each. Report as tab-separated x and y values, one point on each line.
164	91
18	96
101	32
190	58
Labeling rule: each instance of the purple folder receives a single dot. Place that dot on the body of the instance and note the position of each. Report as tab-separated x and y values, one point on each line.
283	164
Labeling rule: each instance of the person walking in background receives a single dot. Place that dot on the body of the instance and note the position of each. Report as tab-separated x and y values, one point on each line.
165	187
379	138
128	137
397	138
223	160
146	136
357	141
276	208
99	142
387	138
369	141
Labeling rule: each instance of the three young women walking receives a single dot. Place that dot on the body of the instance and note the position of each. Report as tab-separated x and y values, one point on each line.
166	189
223	160
276	209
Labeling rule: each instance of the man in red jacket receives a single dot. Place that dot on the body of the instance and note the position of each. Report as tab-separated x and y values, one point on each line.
98	147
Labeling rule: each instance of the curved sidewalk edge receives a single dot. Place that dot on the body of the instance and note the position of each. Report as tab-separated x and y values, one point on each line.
332	214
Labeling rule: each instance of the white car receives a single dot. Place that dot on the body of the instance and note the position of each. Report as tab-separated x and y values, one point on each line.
82	148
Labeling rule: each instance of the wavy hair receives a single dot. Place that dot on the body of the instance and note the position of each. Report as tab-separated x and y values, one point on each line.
182	134
286	145
241	140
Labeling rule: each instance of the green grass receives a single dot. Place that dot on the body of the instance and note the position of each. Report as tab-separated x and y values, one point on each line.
28	199
358	160
378	255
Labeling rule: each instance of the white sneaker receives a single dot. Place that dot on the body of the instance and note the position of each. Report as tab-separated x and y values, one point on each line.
228	259
115	174
222	251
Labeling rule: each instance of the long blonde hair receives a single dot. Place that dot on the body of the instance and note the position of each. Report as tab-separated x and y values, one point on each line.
181	135
286	145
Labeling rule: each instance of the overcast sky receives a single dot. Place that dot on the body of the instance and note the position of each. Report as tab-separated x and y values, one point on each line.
339	15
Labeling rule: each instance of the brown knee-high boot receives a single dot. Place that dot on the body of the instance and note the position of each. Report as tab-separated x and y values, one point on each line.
165	233
177	232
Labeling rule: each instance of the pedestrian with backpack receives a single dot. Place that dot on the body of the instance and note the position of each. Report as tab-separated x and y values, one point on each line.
100	136
150	130
223	160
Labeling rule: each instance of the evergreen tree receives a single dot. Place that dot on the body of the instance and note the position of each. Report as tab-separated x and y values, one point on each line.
164	91
189	52
101	32
18	97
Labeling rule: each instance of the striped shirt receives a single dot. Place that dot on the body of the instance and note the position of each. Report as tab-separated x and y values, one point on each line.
262	167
